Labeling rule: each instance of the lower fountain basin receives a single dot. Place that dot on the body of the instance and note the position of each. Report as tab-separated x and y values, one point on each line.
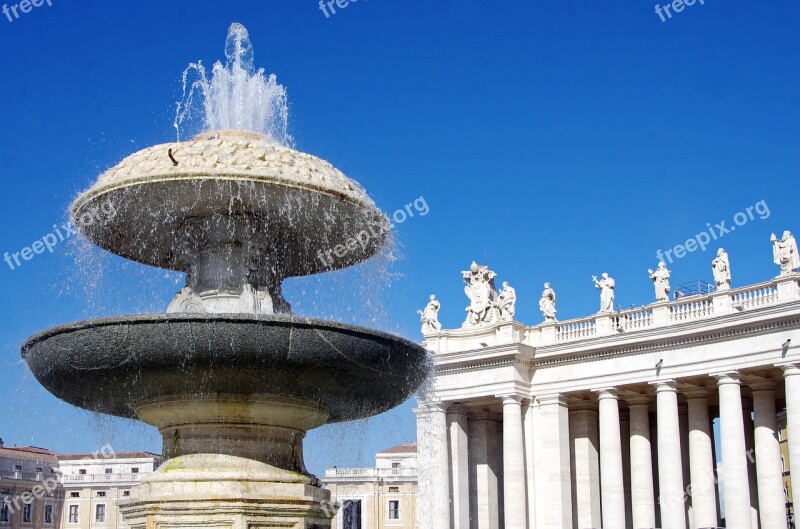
113	365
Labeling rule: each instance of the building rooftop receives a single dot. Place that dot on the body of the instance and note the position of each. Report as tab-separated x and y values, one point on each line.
408	448
119	455
26	451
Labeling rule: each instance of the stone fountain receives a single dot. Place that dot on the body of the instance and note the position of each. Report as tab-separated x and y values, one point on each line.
228	375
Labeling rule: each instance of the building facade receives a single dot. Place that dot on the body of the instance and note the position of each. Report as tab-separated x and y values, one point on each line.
384	497
94	482
30	493
610	420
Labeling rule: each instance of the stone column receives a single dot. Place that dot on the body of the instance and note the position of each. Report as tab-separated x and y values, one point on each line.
683	425
484	506
424	505
551	450
670	468
769	470
625	435
515	500
791	376
529	425
750	453
585	463
459	465
735	485
642	497
612	488
439	466
701	460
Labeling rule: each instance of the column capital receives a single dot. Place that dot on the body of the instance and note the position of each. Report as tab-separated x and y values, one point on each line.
551	399
438	406
727	377
765	384
637	399
510	398
696	393
457	408
667	385
789	368
607	393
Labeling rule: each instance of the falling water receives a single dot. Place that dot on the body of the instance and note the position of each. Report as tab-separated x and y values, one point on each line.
237	97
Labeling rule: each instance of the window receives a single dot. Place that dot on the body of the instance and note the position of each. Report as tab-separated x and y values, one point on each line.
26	513
126	493
101	494
100	513
394	489
74	494
82	471
135	470
395	464
394	510
73	514
48	514
108	470
4	512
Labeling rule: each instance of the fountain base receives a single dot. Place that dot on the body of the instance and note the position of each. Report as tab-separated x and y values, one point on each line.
215	491
265	428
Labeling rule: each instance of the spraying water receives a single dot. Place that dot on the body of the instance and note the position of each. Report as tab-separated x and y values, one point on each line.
236	97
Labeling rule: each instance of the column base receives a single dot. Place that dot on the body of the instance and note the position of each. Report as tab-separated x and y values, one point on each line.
216	491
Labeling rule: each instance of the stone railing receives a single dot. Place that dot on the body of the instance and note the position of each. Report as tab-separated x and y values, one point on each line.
783	289
22	475
779	290
576	329
371	473
101	478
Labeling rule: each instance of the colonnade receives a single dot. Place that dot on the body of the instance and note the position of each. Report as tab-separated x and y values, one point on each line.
639	456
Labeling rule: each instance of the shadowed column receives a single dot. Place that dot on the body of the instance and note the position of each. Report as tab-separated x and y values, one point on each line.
670	467
701	460
642	495
769	471
612	489
735	485
515	501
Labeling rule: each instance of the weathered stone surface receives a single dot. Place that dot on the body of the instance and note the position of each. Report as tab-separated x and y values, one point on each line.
110	365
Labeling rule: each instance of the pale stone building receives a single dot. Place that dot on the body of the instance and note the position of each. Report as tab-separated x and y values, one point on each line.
30	493
384	497
609	420
94	482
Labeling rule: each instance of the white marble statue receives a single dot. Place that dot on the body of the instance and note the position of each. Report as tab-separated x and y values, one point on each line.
785	253
429	316
722	270
660	278
606	287
547	303
482	295
507	302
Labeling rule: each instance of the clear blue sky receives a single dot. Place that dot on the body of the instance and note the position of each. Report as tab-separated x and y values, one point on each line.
554	139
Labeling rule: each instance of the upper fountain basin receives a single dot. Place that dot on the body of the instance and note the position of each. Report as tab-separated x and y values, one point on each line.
300	206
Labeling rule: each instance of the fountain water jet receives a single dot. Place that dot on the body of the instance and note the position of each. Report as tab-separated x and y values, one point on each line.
228	375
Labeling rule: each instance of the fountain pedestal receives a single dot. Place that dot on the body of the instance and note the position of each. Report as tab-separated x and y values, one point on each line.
215	491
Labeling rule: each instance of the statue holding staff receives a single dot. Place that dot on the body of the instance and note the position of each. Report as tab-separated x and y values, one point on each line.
606	287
